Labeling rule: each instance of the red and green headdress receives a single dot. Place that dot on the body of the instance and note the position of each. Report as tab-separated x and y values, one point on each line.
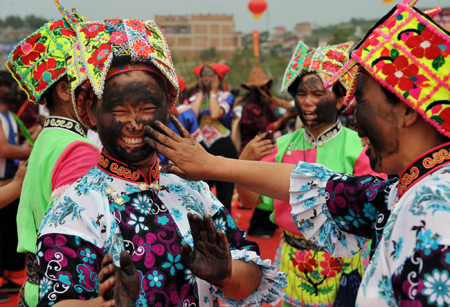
138	45
408	53
323	61
39	60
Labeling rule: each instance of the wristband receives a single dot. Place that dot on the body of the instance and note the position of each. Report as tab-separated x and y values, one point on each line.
213	96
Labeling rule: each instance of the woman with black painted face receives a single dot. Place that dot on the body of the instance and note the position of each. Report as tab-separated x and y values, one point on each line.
129	235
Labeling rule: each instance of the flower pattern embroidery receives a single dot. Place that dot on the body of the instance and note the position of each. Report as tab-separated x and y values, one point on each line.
100	54
142	49
45	72
30	50
427	45
399	73
118	38
93	30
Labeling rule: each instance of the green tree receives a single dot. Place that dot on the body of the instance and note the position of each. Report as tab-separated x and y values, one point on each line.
209	55
34	22
14	21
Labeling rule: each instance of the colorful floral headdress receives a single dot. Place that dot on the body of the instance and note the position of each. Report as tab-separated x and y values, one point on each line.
408	54
323	61
39	60
99	44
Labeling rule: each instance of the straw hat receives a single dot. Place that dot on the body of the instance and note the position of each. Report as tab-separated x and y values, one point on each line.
257	79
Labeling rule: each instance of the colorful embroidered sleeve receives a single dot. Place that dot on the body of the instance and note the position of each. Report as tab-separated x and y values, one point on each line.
68	267
337	212
273	282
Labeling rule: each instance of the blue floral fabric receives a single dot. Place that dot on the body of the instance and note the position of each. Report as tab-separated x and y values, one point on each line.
410	264
102	213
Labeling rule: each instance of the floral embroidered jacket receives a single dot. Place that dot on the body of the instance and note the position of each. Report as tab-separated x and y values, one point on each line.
407	220
214	129
113	208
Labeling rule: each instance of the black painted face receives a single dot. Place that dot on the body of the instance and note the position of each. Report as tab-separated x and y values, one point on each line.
377	125
130	101
316	106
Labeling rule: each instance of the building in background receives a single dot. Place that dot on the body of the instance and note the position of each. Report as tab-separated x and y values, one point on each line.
189	35
443	18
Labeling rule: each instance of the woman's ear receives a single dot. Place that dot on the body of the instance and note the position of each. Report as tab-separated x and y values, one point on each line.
339	103
63	91
91	110
410	116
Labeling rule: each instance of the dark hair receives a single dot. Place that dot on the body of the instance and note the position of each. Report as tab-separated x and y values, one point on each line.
5	78
48	96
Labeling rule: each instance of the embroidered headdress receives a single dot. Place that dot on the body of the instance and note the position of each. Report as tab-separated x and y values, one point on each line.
39	60
408	54
323	61
138	44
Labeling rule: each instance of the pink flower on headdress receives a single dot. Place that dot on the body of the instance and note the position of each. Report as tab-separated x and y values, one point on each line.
118	38
142	49
100	54
330	67
64	31
92	30
425	45
338	56
399	72
45	73
29	51
135	24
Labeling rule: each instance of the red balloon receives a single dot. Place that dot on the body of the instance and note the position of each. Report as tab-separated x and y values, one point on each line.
257	7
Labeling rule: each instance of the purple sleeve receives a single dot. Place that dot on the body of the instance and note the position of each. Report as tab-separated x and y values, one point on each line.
67	268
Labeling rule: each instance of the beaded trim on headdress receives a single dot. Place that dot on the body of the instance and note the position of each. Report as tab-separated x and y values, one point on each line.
99	43
408	54
323	61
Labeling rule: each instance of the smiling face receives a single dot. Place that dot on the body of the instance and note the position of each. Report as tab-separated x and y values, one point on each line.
316	106
130	101
378	125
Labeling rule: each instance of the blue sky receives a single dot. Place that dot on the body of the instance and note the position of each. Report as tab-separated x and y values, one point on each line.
279	13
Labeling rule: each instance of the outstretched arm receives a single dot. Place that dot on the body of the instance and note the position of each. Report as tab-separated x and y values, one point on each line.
191	161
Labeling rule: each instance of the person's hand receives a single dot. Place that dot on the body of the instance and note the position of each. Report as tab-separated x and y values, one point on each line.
190	160
291	113
215	83
210	259
119	286
20	174
259	147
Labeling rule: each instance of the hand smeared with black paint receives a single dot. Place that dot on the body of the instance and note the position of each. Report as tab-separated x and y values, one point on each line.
210	259
119	286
